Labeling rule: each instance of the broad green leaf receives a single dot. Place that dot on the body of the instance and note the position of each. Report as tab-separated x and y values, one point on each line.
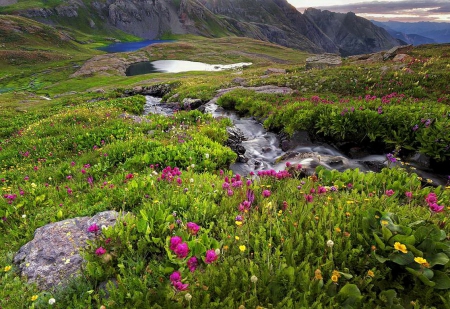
438	259
421	276
402	258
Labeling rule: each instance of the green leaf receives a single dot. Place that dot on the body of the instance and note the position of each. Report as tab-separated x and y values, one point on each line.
402	258
442	280
141	225
438	259
407	240
379	242
349	296
388	296
421	276
379	258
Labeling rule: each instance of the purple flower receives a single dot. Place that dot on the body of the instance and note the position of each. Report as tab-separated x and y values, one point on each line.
436	208
175	276
93	228
266	193
182	250
230	192
211	256
321	190
193	228
238	218
179	286
415	128
192	264
174	242
431	198
250	196
391	157
100	251
309	198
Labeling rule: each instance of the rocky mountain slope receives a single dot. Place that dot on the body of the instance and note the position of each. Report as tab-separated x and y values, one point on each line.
270	20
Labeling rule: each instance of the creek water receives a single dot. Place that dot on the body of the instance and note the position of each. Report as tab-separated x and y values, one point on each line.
263	150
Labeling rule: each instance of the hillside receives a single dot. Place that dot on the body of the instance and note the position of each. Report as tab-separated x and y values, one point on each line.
269	20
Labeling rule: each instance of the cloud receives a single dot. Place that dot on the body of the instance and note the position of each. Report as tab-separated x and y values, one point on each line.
412	10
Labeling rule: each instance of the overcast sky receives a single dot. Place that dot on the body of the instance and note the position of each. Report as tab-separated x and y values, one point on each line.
400	10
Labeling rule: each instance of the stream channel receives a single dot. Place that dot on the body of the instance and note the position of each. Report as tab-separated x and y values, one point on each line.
264	150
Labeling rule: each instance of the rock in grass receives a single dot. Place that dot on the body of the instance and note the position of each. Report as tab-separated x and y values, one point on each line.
323	61
53	256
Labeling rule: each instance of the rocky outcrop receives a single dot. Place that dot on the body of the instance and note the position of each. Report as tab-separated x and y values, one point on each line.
53	256
323	61
396	51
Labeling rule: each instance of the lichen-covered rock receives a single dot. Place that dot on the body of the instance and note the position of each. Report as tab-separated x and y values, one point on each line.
323	61
53	256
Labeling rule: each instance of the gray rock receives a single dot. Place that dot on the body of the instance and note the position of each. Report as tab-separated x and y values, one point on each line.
323	61
240	81
53	256
397	50
400	58
189	103
274	71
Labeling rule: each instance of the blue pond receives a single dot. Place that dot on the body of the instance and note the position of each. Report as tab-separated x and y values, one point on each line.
130	46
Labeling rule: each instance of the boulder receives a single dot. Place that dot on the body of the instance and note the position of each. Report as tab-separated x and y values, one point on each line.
400	58
402	49
323	61
274	71
53	256
189	103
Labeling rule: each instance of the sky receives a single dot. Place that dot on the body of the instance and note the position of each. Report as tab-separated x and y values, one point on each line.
383	10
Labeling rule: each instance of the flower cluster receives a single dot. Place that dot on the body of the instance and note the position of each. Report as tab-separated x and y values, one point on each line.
431	200
170	173
175	279
179	247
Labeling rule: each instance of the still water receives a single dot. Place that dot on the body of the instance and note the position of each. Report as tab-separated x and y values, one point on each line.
130	46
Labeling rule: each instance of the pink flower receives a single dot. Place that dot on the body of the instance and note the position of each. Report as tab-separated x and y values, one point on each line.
321	190
179	286
175	276
93	228
181	250
431	198
309	198
211	256
192	264
174	242
389	192
100	251
193	228
436	208
129	176
408	195
266	193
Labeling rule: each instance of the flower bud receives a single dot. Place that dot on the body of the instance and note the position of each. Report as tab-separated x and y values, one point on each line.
188	297
253	279
330	243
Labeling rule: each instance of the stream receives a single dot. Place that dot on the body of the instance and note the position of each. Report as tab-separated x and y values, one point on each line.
263	149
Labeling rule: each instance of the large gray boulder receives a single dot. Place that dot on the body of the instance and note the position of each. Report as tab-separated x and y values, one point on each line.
53	256
323	61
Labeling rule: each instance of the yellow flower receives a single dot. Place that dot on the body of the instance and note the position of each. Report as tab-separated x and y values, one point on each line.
334	278
238	223
384	222
337	229
336	273
350	202
242	248
7	268
318	274
34	297
370	273
236	237
421	261
400	247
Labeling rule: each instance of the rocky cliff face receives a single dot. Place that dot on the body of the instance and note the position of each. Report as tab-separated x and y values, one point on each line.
352	34
270	20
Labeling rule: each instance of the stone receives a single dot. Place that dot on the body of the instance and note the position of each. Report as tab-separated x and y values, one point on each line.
400	58
189	103
53	256
402	49
323	61
239	81
274	71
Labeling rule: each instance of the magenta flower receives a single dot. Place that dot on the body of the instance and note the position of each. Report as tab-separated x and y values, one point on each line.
179	286
192	264
389	192
129	176
211	256
174	242
321	190
175	276
309	198
266	193
100	251
408	195
193	228
436	208
182	250
93	228
431	198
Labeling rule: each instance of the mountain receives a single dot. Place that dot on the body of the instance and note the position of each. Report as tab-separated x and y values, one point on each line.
275	21
351	33
438	32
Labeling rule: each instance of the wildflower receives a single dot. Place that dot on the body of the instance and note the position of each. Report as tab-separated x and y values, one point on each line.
318	274
100	251
321	190
370	273
334	278
330	243
400	247
389	192
431	198
179	286
7	268
129	176
309	198
175	276
34	297
242	248
391	158
421	261
188	297
408	195
193	228
93	228
266	193
436	208
337	229
211	256
51	301
238	223
182	250
253	279
192	264
384	222
174	242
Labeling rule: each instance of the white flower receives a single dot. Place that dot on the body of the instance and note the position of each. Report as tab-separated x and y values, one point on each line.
24	216
191	180
253	279
33	185
104	227
330	243
192	165
51	301
188	297
217	251
207	155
